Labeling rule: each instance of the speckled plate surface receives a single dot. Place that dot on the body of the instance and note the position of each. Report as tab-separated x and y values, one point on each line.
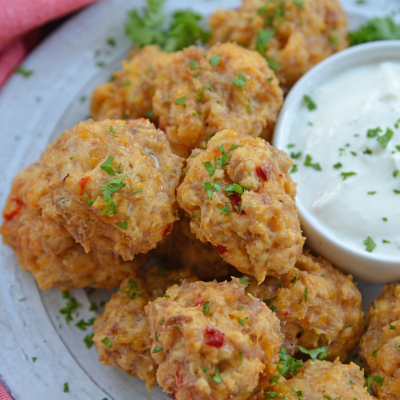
34	110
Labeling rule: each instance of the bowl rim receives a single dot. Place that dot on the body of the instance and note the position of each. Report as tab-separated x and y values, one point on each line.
344	60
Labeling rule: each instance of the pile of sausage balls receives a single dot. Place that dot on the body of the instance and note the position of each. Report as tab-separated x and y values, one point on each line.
176	160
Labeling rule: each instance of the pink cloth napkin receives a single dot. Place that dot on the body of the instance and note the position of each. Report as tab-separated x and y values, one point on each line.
18	21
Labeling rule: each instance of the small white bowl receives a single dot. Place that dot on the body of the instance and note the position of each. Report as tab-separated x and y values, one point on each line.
363	265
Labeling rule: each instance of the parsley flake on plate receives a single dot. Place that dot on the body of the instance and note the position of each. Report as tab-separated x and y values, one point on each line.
319	353
106	166
370	244
346	175
308	163
240	80
310	103
23	71
385	139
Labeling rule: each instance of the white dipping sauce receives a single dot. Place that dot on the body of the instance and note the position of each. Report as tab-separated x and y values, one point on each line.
348	105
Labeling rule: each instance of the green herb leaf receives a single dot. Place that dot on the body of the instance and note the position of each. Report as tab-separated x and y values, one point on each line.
338	165
106	166
249	109
123	225
319	352
374	378
345	175
308	163
310	103
211	187
112	130
371	193
23	71
107	342
374	132
295	155
157	349
240	355
66	387
306	294
273	64
89	202
293	169
244	281
88	340
385	139
209	167
69	309
214	60
226	210
370	244
240	80
136	192
217	376
206	307
375	29
241	321
262	39
181	101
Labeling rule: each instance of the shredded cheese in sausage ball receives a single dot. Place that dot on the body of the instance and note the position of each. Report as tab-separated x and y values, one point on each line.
53	260
129	95
205	91
212	341
319	380
380	345
292	35
240	197
306	298
109	184
122	333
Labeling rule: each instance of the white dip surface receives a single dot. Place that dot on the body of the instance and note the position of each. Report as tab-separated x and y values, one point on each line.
361	209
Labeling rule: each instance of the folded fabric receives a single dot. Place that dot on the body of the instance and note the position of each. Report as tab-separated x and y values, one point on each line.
18	19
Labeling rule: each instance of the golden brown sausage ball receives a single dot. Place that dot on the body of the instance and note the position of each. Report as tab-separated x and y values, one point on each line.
317	306
319	380
240	196
293	35
129	95
125	324
205	91
182	249
380	345
212	341
53	260
109	184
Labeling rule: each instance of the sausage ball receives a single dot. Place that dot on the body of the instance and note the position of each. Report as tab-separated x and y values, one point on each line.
182	249
292	35
109	184
130	93
317	306
240	197
207	90
321	380
122	335
212	341
380	345
53	260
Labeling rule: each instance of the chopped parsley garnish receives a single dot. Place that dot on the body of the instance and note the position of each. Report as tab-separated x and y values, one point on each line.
244	281
217	376
34	359
206	307
240	355
375	29
106	166
148	27
286	364
136	192
249	110
235	188
306	294
295	155
384	219
107	342
241	321
199	96
346	175
395	173
176	328
112	186
338	165
162	322
308	163
66	387
290	145
123	225
293	169
392	327
240	80
157	349
23	71
367	151
375	353
310	103
396	191
294	280
319	352
88	340
226	210
69	309
371	133
181	101
89	202
371	193
214	60
150	113
299	3
370	244
209	167
211	187
385	241
272	63
385	139
269	80
374	378
262	39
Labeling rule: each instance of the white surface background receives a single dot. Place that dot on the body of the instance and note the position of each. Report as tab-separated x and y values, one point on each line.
33	111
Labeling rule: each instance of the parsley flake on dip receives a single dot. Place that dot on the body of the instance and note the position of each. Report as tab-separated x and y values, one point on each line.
345	144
